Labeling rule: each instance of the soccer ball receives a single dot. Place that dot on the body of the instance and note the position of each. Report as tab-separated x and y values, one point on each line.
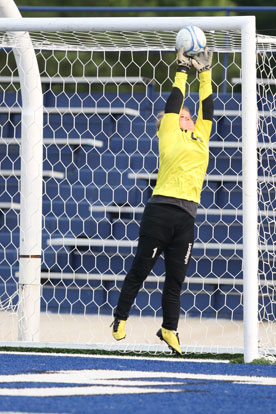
192	39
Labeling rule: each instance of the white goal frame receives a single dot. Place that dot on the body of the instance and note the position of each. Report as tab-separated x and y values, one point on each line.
30	248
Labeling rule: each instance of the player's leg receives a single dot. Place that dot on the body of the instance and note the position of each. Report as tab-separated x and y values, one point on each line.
148	250
177	256
154	233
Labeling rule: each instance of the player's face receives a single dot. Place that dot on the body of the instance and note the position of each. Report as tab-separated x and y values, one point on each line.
185	121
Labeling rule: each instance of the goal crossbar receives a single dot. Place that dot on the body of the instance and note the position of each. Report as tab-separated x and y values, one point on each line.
131	24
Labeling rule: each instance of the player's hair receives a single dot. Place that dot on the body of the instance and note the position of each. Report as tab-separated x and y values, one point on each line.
162	113
159	119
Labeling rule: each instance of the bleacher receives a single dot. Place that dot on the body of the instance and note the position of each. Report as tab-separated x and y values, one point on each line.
98	174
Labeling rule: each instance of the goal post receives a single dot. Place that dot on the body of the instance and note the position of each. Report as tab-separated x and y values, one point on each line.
250	198
31	178
59	43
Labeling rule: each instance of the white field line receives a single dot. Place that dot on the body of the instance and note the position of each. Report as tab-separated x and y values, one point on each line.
105	382
90	377
78	391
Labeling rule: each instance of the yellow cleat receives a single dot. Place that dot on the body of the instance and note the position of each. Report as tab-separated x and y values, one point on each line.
171	338
118	330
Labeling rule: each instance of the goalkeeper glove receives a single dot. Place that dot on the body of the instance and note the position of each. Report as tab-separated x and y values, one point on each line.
184	62
203	60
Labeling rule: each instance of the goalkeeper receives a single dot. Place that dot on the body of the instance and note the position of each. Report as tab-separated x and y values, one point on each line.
167	223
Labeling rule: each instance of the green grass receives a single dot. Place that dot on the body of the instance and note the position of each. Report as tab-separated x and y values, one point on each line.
222	357
231	358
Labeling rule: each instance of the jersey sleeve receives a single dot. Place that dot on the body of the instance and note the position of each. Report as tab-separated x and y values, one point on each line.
173	107
203	125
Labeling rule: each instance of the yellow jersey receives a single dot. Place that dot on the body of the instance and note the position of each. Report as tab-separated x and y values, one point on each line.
184	155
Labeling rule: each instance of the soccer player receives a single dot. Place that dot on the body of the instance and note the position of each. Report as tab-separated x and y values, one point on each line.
167	223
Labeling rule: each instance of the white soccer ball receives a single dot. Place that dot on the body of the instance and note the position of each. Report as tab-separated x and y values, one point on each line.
192	39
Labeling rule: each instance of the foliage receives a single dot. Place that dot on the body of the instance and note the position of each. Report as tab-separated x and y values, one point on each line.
125	3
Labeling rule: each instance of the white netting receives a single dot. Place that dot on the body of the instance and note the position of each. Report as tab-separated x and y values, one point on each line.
266	89
102	92
108	41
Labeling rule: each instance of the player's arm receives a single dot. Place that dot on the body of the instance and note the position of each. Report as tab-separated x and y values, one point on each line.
174	104
202	62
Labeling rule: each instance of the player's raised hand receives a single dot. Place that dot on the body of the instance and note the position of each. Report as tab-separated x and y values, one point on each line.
203	60
184	62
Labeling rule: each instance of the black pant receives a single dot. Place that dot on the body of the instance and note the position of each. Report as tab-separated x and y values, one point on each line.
164	228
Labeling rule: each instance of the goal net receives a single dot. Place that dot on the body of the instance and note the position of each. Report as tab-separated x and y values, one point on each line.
266	190
102	92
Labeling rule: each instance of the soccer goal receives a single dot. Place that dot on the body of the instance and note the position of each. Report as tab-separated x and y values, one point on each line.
79	156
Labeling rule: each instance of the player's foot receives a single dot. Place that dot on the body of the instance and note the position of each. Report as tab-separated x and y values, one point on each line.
118	329
171	338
